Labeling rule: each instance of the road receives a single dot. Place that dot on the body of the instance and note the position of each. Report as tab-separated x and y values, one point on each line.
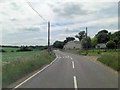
72	71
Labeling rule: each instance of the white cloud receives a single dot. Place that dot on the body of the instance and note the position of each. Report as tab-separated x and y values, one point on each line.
20	21
112	31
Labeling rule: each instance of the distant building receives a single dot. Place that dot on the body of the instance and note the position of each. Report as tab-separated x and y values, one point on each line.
101	45
73	45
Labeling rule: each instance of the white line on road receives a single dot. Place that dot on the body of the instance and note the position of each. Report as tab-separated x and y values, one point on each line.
71	58
34	74
75	82
73	64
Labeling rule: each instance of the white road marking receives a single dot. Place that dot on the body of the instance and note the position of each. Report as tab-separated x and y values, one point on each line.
71	58
35	74
73	64
75	82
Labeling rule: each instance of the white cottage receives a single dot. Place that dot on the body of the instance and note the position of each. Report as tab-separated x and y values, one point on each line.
101	45
73	45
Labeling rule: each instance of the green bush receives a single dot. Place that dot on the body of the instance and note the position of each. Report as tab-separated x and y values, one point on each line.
23	49
86	42
111	44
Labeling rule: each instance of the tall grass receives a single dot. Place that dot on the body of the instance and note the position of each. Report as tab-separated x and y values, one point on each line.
16	69
110	60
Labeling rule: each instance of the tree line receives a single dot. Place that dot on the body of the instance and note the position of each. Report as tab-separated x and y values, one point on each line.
112	40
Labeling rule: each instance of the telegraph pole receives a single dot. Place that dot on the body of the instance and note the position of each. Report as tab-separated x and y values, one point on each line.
49	49
48	36
86	42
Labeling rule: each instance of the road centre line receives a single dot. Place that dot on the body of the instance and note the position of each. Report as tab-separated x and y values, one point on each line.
35	74
75	82
73	64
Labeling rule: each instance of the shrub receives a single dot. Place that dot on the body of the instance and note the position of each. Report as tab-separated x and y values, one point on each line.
85	41
1	50
23	49
111	44
12	50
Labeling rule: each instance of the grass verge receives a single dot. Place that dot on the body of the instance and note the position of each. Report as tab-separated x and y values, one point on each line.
110	60
17	69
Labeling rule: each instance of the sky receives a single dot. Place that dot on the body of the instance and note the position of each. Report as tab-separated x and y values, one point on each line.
20	25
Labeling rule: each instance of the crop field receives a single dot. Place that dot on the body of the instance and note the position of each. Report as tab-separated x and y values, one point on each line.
9	56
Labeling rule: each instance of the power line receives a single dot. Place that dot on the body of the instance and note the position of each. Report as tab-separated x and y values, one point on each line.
35	10
49	49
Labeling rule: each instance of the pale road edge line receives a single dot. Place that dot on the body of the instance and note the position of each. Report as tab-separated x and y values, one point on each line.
75	82
73	64
36	73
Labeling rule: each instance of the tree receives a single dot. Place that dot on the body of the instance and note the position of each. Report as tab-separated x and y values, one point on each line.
110	44
70	39
86	42
103	36
116	38
94	41
80	35
103	31
58	44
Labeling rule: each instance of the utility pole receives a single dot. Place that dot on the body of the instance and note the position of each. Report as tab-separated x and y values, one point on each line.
48	36
86	42
49	49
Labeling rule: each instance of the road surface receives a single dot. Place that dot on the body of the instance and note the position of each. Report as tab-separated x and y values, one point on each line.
72	71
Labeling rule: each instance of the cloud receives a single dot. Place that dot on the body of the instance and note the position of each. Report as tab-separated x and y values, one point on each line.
72	30
112	31
29	29
21	25
70	9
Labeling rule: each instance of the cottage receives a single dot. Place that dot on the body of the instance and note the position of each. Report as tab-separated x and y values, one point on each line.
73	45
101	45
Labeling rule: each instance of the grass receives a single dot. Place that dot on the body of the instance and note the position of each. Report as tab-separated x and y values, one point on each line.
13	56
110	60
22	63
9	49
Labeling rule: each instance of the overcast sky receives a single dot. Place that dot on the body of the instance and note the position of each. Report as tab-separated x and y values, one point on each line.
20	25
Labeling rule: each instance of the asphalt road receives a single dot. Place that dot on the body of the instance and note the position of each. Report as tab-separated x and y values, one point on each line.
72	71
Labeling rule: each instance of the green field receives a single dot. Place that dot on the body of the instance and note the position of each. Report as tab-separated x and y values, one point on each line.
17	64
9	56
